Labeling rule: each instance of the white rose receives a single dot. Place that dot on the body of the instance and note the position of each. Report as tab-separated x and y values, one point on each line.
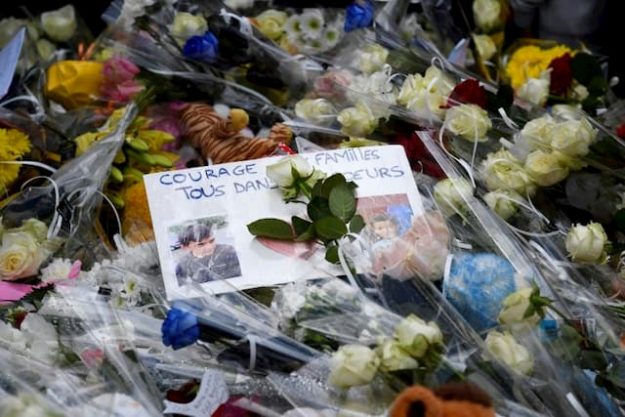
60	24
239	4
436	81
271	23
394	358
469	121
486	14
319	111
281	172
514	307
580	92
546	169
535	90
502	171
186	25
587	244
485	46
409	89
506	349
357	121
353	365
34	227
371	58
567	111
450	195
537	131
45	49
428	104
20	256
572	137
503	202
416	336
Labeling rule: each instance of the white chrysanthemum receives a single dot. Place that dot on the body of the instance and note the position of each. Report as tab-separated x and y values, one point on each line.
58	270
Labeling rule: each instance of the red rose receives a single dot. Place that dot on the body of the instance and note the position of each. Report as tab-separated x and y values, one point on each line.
561	75
468	92
620	131
418	156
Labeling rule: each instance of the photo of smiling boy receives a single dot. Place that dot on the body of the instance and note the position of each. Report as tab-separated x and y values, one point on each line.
204	259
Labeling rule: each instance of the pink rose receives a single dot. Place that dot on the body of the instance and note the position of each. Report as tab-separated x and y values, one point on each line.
122	92
118	70
326	85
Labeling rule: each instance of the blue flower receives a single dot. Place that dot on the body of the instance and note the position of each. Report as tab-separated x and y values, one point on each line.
358	15
477	284
180	329
202	48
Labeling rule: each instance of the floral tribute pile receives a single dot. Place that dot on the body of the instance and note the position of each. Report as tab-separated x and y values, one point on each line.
503	295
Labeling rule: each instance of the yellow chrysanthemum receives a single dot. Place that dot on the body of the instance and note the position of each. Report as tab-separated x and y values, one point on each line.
84	141
529	61
13	145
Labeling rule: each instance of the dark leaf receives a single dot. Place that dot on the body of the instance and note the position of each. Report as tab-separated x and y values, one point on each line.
332	254
585	67
357	224
308	234
271	228
342	203
330	183
300	225
318	208
330	228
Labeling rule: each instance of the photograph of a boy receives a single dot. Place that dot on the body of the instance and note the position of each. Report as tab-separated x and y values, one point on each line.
204	259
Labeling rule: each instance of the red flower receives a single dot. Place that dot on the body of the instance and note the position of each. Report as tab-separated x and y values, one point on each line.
468	92
620	131
561	75
418	156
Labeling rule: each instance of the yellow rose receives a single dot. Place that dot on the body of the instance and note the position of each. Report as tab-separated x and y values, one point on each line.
20	256
74	83
469	121
271	23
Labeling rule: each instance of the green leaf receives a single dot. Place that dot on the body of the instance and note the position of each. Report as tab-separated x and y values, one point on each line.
330	183
271	228
308	234
585	67
342	203
316	190
318	208
330	228
332	254
300	225
357	224
616	375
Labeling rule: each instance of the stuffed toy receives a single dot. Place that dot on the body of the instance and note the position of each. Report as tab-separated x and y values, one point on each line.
450	400
220	140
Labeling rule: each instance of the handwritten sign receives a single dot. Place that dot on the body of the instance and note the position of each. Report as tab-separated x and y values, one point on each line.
200	218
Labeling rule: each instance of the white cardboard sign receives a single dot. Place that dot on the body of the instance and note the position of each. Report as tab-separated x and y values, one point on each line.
226	198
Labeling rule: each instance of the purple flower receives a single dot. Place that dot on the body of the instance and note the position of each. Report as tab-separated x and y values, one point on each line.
180	329
358	15
202	48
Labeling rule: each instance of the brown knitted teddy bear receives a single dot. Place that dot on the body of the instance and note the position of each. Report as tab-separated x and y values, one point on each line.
450	400
220	140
